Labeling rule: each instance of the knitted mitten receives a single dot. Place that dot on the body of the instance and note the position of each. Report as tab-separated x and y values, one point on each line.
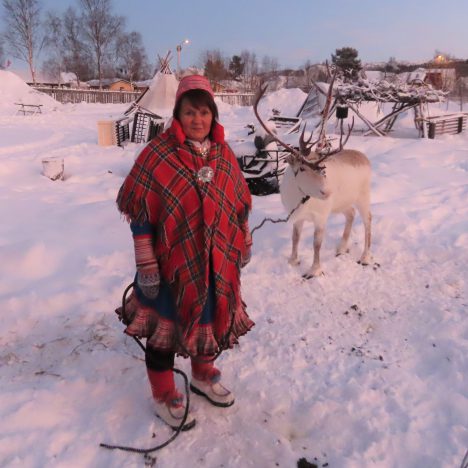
147	266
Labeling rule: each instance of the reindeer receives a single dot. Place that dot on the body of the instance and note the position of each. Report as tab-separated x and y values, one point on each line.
334	181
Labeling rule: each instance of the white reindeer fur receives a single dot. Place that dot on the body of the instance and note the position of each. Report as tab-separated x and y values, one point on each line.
346	185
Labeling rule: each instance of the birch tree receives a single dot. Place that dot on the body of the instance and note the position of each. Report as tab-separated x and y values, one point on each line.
2	56
23	35
132	61
101	28
67	49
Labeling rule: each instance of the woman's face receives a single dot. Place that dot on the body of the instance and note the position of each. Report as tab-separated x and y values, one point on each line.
196	123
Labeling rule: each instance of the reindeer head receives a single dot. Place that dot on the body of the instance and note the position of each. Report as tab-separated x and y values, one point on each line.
304	157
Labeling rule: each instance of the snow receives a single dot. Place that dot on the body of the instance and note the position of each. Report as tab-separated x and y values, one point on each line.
14	90
362	367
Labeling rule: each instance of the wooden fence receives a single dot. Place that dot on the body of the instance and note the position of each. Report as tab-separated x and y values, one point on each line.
238	99
450	124
74	96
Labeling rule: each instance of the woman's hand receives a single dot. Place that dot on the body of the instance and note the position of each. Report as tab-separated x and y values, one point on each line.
245	259
148	280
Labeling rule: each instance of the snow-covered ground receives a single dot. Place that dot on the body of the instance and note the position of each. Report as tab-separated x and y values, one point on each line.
363	367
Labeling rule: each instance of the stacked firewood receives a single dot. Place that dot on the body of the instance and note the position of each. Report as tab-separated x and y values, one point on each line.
384	91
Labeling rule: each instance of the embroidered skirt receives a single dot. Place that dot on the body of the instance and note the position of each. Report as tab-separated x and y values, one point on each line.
156	320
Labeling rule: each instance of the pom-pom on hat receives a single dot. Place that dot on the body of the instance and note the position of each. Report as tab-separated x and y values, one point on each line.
190	82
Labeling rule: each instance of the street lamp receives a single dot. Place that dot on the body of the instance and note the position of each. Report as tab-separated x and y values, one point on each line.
179	49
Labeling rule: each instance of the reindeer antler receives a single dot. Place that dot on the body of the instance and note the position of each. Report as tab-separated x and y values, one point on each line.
260	94
316	165
305	145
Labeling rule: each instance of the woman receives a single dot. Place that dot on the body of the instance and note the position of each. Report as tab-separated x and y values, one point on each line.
188	206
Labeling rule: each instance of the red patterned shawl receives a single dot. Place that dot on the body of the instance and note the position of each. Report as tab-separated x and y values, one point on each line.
191	219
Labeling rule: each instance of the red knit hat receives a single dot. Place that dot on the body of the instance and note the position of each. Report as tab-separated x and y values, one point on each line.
193	82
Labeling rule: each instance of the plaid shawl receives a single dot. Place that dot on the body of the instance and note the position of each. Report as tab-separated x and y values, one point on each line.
193	219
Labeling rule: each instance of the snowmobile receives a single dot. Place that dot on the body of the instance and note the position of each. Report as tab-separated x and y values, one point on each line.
261	159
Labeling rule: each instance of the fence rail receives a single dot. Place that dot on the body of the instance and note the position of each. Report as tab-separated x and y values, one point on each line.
238	99
74	96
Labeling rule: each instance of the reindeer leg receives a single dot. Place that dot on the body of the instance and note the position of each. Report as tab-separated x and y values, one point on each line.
296	236
364	211
316	270
343	247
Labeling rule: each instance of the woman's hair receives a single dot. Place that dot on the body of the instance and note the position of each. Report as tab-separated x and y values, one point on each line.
197	98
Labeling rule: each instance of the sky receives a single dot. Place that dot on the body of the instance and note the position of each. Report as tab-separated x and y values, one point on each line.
295	31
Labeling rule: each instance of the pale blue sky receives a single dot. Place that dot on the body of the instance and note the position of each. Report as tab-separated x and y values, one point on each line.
296	30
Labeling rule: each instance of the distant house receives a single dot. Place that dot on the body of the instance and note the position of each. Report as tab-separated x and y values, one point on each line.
69	80
230	86
142	85
441	78
218	87
115	84
121	85
42	79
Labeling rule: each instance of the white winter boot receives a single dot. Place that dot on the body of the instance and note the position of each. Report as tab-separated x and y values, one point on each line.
214	392
206	382
172	411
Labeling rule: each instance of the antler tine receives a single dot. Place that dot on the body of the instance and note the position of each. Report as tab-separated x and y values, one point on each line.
326	109
350	129
336	150
305	146
259	96
342	143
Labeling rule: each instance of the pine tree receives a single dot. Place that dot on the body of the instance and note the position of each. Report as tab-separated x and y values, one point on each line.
346	60
236	67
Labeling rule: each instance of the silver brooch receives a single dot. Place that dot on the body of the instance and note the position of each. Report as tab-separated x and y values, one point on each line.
205	174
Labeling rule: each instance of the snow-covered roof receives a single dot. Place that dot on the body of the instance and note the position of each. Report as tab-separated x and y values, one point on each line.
68	77
41	77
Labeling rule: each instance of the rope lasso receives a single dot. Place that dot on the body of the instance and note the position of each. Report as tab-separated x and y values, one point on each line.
284	220
224	344
187	392
168	441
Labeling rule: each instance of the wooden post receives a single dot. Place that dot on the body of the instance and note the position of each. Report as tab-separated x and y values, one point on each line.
366	121
431	134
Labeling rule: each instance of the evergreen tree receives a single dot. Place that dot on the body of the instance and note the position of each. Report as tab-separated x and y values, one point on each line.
347	62
236	67
214	66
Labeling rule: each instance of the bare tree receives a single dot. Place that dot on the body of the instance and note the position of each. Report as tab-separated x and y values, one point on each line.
314	72
132	61
78	54
23	34
53	65
250	74
101	28
2	56
214	65
270	66
67	50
